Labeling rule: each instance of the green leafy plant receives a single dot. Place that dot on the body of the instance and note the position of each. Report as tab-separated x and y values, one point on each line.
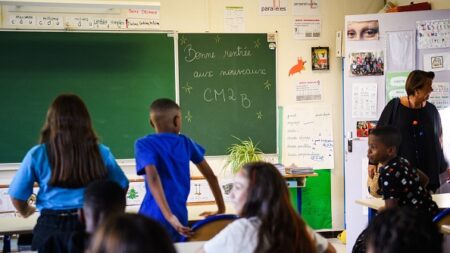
240	153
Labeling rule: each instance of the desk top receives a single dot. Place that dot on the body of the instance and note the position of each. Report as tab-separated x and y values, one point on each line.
445	229
442	201
188	247
17	225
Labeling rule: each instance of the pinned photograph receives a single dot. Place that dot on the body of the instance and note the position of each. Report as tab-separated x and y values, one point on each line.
319	58
363	30
363	127
366	63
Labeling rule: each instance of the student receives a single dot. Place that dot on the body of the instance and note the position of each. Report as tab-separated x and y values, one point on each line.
164	158
269	223
67	159
403	230
131	233
103	199
399	181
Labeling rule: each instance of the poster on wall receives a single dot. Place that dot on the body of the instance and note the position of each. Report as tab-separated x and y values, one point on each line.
436	62
403	44
395	85
368	63
307	28
433	33
363	127
363	30
234	19
319	58
440	96
306	7
308	91
364	100
308	136
273	7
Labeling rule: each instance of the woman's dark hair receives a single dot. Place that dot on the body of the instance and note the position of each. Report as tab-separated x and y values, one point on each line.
403	230
282	229
416	80
71	144
131	233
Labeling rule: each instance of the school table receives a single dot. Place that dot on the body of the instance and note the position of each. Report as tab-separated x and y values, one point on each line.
445	229
442	200
20	225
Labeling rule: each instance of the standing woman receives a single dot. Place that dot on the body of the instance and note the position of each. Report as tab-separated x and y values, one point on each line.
268	221
420	125
66	160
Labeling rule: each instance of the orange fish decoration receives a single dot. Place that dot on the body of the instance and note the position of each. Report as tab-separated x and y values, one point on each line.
298	67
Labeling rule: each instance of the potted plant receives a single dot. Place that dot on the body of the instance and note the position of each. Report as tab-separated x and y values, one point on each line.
240	153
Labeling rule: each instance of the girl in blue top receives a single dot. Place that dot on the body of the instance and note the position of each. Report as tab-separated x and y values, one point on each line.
66	160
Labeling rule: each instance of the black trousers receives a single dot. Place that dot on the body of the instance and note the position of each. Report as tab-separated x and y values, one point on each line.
54	229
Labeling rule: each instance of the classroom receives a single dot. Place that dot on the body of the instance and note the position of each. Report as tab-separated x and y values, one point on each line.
277	72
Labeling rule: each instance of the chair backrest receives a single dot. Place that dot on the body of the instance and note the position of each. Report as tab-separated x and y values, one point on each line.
442	218
209	227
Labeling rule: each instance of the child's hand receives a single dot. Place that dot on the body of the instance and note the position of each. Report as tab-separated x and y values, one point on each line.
371	170
176	224
206	214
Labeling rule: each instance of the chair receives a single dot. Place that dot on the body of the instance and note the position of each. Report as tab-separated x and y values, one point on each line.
442	218
209	227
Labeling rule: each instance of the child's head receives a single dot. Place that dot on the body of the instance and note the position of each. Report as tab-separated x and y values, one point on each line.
403	230
71	143
165	116
102	199
384	142
256	186
260	191
131	233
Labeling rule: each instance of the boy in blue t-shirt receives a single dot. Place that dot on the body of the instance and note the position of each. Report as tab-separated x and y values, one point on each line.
164	159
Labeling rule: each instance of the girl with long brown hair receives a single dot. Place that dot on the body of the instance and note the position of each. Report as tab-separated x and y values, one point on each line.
66	160
268	221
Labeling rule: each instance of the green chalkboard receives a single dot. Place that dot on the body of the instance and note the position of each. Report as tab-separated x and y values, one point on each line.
227	88
118	75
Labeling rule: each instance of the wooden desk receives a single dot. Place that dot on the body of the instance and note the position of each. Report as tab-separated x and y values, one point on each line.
442	201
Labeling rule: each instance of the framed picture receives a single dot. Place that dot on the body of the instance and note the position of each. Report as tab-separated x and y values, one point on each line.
319	58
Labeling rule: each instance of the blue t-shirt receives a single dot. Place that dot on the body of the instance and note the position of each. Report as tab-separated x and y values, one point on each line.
170	154
35	167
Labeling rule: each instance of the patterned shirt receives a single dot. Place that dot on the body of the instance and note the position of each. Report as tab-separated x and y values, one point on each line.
399	180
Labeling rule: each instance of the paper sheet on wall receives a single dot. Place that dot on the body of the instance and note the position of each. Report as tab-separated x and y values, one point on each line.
395	85
440	96
436	62
308	136
307	28
234	19
364	100
306	7
400	51
273	7
433	33
308	91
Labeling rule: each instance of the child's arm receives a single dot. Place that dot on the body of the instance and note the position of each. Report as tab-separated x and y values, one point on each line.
23	207
154	183
208	173
390	203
